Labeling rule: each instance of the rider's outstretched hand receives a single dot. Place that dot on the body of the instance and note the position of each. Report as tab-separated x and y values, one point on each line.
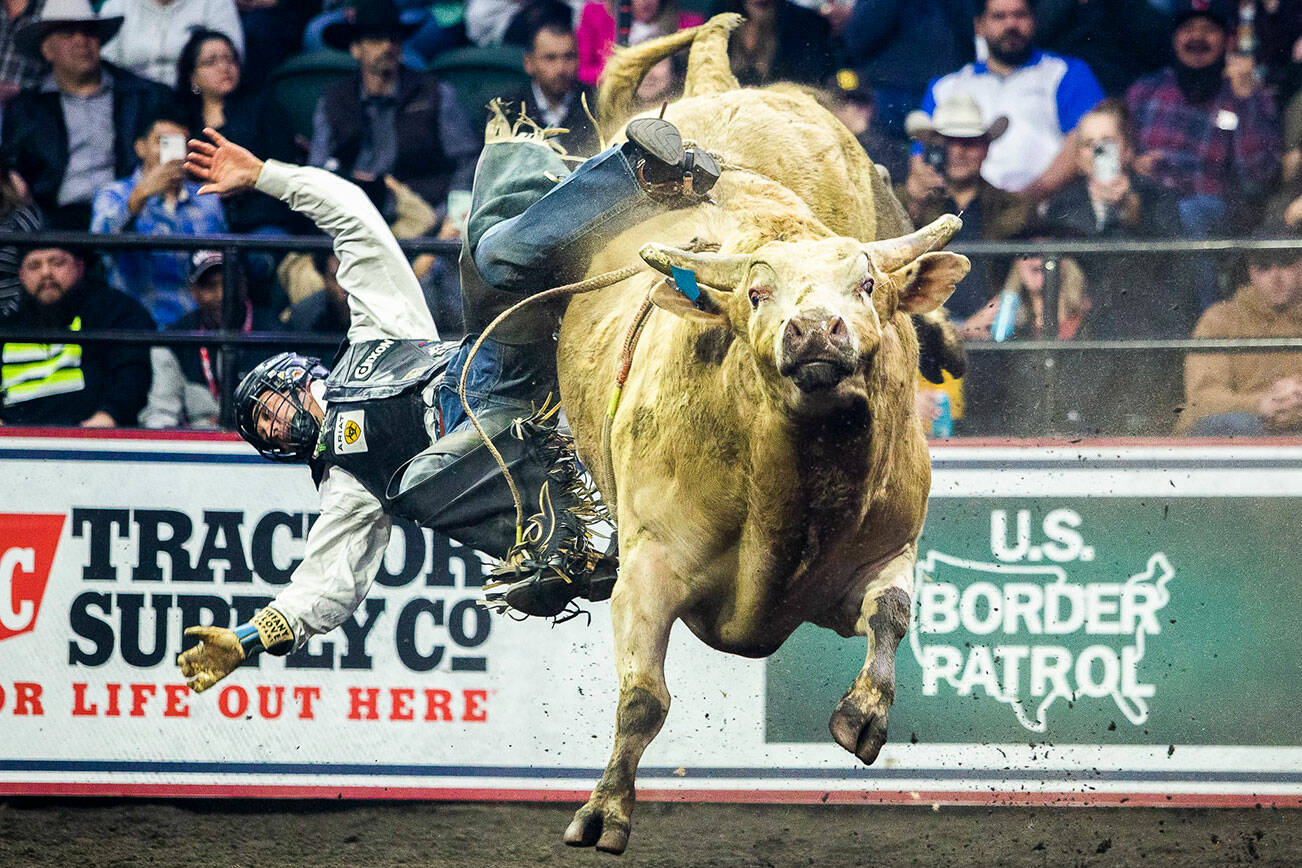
217	655
224	167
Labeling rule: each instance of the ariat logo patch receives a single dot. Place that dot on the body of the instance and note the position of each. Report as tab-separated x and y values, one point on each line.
350	432
363	370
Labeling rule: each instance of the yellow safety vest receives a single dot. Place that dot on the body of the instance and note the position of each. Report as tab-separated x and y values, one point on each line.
34	371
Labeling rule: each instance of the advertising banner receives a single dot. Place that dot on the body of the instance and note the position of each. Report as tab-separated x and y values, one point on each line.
1090	624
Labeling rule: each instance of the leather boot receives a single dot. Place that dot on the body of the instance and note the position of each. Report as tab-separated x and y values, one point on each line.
667	171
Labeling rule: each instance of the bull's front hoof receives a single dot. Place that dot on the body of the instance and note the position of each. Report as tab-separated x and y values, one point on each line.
601	824
860	730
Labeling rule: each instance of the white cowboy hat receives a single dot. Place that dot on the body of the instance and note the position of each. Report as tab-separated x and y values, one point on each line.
58	13
957	117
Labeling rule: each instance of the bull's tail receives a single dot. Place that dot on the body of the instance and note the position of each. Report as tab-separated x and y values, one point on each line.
707	69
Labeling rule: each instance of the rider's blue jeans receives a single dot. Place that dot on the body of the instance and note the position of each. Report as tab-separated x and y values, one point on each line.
548	243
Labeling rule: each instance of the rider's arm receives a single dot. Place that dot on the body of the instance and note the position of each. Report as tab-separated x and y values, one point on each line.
383	295
343	554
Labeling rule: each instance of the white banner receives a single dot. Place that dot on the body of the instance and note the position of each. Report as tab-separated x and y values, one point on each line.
110	544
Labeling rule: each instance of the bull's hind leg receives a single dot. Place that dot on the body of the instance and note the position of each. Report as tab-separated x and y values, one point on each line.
859	722
646	602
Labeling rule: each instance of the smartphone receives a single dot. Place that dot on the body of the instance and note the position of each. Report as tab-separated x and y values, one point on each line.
934	155
171	147
1107	162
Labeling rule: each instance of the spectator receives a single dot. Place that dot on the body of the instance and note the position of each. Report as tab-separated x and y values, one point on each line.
99	386
211	93
273	32
74	133
855	104
778	41
157	199
1120	40
555	98
390	120
155	32
596	32
324	312
1277	28
1043	95
430	34
948	178
1248	394
412	218
1025	280
512	22
1014	394
17	214
899	47
19	69
1207	130
186	387
1138	296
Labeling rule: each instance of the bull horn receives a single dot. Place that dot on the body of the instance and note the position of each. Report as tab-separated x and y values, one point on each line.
895	253
719	270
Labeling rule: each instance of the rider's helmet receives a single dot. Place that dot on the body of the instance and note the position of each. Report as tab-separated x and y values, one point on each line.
271	407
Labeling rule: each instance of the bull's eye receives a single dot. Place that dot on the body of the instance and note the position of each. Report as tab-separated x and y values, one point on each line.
866	287
756	295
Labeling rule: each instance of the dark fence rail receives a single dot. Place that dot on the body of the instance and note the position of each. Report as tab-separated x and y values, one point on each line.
229	339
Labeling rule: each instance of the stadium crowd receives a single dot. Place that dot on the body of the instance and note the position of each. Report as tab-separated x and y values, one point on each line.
1058	119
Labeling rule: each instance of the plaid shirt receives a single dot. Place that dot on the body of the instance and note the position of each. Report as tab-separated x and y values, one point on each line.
17	69
1227	145
159	280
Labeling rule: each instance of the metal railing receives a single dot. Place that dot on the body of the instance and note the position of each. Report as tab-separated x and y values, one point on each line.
229	339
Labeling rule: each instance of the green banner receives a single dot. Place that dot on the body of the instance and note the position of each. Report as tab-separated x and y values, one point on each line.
1099	620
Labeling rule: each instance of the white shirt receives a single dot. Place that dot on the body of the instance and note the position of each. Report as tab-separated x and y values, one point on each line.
346	546
1043	101
153	34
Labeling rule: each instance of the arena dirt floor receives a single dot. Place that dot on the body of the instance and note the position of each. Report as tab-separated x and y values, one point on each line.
284	833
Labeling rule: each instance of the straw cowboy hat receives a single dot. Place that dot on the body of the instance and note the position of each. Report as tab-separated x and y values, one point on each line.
61	13
957	117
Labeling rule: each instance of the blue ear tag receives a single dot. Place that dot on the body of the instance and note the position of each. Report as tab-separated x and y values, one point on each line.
685	282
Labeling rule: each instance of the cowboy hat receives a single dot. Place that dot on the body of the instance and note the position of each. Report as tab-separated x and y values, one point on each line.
957	117
61	13
368	18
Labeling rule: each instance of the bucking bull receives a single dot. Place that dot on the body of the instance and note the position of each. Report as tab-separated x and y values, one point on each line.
765	465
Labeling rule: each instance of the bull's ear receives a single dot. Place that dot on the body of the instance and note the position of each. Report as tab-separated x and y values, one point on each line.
711	309
720	270
927	281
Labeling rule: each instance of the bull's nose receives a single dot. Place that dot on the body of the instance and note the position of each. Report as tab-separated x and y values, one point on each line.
808	338
817	351
832	330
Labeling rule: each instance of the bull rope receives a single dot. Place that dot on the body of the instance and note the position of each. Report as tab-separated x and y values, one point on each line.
600	281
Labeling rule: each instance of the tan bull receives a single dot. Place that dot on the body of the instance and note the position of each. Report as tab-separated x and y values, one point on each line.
766	467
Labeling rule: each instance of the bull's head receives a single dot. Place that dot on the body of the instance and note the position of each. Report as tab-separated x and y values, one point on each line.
813	311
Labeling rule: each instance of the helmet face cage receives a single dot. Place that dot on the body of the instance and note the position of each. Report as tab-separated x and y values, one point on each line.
274	394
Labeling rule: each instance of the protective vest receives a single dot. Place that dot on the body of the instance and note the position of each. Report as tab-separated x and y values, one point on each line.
375	417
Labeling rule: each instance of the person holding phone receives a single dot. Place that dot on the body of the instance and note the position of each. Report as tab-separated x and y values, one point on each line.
157	199
1140	297
946	178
